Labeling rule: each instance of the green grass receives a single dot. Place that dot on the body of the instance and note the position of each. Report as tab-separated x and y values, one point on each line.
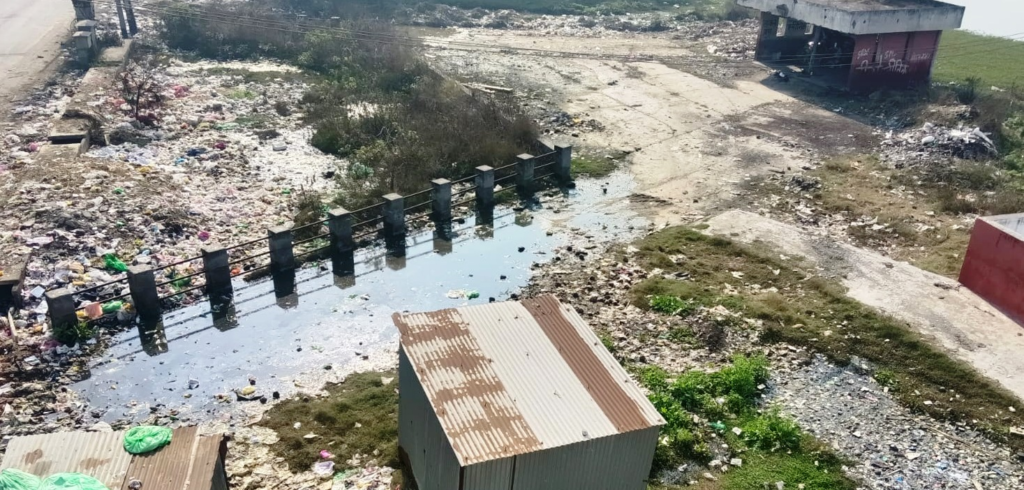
701	409
359	416
592	166
814	312
996	61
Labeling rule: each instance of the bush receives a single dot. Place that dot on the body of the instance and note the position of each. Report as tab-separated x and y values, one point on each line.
967	92
669	305
772	432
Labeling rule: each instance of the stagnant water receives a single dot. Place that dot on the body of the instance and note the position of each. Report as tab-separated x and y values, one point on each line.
336	322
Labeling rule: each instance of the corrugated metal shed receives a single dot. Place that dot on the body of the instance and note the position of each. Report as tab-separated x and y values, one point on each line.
509	379
189	462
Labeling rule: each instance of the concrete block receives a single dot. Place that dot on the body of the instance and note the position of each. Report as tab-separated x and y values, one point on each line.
563	163
393	213
484	186
217	272
142	285
282	254
525	167
343	246
61	306
441	195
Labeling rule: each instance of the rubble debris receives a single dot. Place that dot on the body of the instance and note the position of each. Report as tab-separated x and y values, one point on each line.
933	143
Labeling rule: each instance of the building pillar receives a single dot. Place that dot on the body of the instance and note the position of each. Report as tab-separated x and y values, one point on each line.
282	255
393	213
814	49
441	195
343	246
120	19
484	186
563	163
217	272
60	303
525	165
133	27
142	286
84	9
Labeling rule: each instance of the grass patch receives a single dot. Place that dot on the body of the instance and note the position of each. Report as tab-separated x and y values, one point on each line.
242	94
964	55
359	416
705	410
807	310
595	167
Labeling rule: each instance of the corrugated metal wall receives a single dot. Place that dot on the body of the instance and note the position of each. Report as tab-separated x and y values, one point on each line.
899	60
620	462
490	475
431	457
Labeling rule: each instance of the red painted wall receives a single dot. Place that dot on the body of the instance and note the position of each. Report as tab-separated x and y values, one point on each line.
899	60
994	269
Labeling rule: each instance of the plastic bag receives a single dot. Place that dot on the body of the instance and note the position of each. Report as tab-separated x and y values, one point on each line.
146	438
115	263
72	481
12	479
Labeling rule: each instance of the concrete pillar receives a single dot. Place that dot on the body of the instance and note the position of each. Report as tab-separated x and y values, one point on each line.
83	47
217	272
120	19
393	212
343	246
441	194
84	9
142	285
282	256
485	186
61	305
129	11
563	163
525	165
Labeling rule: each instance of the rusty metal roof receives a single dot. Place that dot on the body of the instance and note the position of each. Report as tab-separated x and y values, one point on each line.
187	463
516	377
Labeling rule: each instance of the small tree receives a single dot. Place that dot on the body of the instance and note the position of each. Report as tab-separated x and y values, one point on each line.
139	86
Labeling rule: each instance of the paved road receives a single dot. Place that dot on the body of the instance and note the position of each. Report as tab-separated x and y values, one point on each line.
30	35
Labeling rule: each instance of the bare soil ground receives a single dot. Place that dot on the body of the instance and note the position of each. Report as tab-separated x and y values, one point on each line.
698	129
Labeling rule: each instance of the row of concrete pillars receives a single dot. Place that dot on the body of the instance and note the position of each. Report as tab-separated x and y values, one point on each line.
142	283
85	41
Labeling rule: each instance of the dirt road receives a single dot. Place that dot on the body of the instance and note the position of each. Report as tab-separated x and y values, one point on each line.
30	35
696	139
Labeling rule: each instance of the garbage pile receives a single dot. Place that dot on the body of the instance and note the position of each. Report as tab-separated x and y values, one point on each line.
561	122
933	143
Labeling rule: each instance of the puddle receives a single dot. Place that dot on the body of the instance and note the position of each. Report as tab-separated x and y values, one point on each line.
337	321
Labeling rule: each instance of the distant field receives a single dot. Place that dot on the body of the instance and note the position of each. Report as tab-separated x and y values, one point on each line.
996	61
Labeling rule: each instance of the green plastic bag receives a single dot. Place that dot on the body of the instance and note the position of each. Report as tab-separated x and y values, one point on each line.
115	263
12	479
146	438
111	307
72	481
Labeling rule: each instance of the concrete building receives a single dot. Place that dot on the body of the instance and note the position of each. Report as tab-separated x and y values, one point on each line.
189	462
518	396
994	265
863	45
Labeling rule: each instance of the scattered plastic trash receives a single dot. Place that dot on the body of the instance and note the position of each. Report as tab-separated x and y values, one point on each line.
94	310
193	383
325	454
38	291
324	468
12	479
718	426
204	236
462	294
39	241
114	263
146	438
72	481
113	306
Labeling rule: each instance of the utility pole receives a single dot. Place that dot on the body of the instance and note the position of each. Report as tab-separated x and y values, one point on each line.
120	18
133	28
